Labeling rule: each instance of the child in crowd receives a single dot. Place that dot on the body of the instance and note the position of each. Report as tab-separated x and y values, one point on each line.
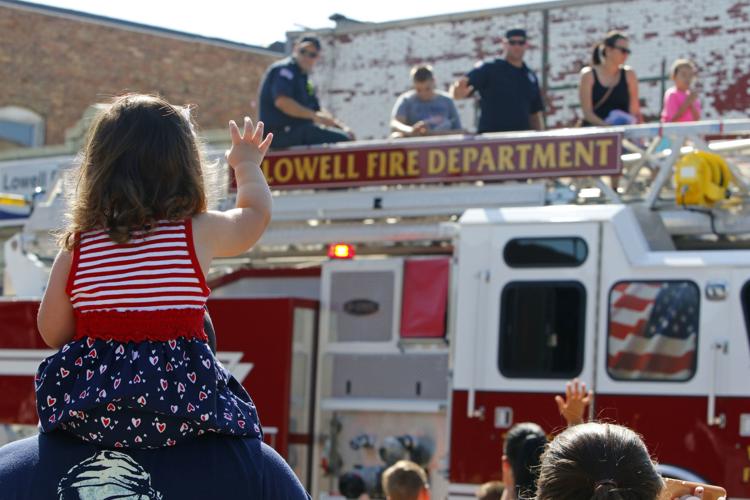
126	295
492	490
405	480
681	103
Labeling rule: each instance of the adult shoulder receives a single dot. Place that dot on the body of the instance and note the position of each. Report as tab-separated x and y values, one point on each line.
483	63
409	94
287	64
587	74
629	71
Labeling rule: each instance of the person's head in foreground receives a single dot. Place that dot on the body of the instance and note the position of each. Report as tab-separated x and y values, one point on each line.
142	162
598	461
405	480
492	490
523	447
423	81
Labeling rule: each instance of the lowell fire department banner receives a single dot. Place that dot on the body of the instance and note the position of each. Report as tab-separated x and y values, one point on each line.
447	159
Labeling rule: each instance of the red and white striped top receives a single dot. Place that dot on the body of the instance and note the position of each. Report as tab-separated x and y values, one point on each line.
151	287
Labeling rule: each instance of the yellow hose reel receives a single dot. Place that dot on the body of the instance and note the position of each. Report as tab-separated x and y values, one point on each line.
701	178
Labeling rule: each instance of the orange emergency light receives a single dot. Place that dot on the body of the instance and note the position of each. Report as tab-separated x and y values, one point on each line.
340	251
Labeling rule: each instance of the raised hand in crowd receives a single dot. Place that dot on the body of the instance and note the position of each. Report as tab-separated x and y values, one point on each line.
248	146
573	405
460	89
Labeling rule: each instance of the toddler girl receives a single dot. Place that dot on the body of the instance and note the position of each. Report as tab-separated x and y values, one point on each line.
681	103
126	295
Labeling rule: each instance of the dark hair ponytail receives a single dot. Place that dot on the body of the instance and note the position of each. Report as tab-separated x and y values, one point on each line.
523	447
600	49
606	490
599	462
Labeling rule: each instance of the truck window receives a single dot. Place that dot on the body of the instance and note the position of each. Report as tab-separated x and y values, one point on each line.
653	330
545	252
541	329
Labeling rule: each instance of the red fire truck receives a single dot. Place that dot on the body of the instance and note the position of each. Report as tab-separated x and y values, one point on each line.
488	271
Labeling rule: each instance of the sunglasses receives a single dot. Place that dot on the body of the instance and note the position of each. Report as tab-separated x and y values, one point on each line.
624	50
517	42
311	54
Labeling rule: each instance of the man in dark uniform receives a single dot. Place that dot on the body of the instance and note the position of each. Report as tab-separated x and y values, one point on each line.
289	106
509	93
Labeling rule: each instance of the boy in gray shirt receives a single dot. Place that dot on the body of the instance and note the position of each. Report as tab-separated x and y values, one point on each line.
424	110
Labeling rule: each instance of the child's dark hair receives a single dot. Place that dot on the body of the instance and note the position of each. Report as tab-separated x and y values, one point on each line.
600	49
598	461
523	448
141	163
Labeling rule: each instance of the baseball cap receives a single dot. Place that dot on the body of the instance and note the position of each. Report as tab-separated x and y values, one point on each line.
516	32
310	39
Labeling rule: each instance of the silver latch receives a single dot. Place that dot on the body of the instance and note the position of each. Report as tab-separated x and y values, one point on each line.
716	290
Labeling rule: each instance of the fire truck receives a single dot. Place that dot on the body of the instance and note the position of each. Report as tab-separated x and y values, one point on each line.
417	298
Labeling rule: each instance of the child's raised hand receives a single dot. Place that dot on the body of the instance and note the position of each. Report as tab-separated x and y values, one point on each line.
573	405
248	146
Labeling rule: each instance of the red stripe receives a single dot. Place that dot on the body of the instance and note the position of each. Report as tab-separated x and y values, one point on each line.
621	287
135	307
94	234
178	236
105	275
145	260
621	330
130	253
129	246
658	363
632	302
137	296
104	286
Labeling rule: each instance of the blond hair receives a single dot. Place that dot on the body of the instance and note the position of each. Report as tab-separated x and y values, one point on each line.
404	480
682	63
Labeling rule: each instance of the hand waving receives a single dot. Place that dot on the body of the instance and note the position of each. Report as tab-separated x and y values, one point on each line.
461	89
249	146
573	406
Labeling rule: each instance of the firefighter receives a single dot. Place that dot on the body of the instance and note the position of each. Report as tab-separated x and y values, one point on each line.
509	94
289	105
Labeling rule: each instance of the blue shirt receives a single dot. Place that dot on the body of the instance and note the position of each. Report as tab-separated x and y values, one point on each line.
59	466
439	113
285	78
509	95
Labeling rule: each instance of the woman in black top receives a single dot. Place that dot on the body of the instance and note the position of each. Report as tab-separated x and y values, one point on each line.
608	85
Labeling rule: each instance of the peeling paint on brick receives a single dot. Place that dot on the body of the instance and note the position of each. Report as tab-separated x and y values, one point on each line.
712	33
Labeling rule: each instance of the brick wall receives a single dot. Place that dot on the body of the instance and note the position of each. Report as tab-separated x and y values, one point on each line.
363	70
58	65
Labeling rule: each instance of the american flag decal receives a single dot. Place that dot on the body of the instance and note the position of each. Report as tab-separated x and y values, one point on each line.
653	330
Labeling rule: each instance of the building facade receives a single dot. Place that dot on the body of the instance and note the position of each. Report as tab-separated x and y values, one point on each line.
364	67
56	63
